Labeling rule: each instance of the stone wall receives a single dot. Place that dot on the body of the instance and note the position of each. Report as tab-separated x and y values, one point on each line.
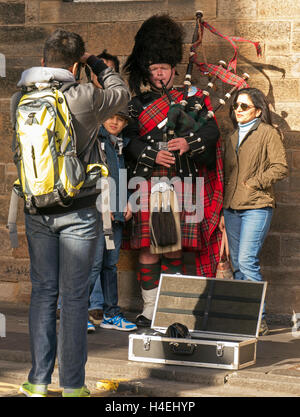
24	25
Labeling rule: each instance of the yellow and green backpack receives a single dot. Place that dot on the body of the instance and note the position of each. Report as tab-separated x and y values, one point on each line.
49	170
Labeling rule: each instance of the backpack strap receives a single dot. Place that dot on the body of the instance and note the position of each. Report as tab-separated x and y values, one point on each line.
12	219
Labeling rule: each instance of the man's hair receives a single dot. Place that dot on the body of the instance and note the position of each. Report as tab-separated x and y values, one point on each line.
104	54
62	49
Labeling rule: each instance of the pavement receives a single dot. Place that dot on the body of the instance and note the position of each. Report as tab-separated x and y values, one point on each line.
276	372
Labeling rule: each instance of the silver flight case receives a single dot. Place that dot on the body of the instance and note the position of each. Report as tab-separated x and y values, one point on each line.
223	318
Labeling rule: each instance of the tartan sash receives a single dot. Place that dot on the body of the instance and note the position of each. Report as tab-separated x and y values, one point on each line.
157	111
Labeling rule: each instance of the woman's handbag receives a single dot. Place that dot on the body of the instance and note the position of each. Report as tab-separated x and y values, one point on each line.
224	269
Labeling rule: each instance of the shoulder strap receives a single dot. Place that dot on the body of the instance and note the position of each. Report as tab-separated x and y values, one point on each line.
13	108
65	86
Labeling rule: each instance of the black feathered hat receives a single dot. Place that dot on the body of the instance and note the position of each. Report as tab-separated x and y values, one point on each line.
159	40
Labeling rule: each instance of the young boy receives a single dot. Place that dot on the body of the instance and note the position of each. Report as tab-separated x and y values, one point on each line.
105	261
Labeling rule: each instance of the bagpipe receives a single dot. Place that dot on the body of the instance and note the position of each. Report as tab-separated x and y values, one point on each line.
185	120
182	119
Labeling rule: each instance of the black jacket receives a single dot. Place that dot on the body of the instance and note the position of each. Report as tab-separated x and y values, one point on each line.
141	152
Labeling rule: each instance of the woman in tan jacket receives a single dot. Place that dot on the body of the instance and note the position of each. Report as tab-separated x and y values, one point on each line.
254	159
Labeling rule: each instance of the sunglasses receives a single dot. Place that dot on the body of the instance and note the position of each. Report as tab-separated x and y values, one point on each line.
243	106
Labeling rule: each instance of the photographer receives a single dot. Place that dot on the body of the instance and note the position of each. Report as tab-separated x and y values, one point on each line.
62	240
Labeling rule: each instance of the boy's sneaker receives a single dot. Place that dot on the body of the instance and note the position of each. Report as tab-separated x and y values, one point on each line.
34	390
95	316
117	322
90	327
76	392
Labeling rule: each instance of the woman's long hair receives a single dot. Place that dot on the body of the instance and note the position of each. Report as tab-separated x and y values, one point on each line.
258	99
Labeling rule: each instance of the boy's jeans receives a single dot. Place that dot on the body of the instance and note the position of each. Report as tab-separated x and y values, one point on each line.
61	249
105	267
96	298
246	231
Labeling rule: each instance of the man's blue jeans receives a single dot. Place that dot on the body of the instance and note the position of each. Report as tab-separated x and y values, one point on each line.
61	249
105	268
246	231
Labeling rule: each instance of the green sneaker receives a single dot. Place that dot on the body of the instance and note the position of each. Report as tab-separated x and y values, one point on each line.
76	392
34	390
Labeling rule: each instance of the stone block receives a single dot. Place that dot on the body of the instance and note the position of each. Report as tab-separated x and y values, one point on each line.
58	12
286	219
282	65
292	140
9	291
283	185
278	47
117	38
6	134
4	105
178	11
12	13
237	10
23	40
282	89
24	292
290	250
264	31
5	248
129	291
282	298
295	181
276	9
290	116
270	254
296	160
285	198
14	270
8	85
2	173
296	42
22	251
127	260
32	12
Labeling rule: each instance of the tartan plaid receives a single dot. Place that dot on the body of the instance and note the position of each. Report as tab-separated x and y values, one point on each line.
232	40
226	75
156	112
202	237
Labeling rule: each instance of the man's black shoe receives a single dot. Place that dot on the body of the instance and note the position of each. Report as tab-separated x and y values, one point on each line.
142	321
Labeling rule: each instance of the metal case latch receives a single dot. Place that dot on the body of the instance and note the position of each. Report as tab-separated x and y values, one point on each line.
147	342
219	349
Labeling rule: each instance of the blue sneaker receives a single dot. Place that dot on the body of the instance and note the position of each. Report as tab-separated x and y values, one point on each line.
117	322
90	327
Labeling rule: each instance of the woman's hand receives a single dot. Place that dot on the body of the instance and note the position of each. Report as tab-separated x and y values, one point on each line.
128	212
221	224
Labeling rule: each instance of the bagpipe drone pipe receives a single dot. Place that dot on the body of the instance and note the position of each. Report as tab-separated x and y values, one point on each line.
184	119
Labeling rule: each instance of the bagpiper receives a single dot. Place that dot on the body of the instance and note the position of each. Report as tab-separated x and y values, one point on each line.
192	152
